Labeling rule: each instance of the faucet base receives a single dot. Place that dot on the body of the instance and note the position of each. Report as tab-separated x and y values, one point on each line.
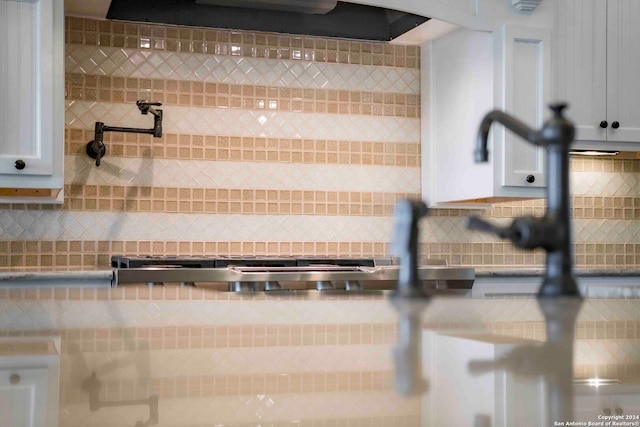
562	286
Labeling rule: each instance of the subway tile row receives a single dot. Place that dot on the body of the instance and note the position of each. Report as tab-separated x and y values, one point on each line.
630	372
224	336
585	330
250	149
265	201
123	62
83	87
259	384
248	123
156	37
90	254
229	201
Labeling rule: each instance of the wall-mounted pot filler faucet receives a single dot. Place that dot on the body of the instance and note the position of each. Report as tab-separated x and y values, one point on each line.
96	148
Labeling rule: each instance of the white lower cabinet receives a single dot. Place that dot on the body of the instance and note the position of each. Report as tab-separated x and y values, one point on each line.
29	382
32	107
466	74
23	396
495	398
601	402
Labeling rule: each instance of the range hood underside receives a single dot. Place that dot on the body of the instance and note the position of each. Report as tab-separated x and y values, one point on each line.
317	18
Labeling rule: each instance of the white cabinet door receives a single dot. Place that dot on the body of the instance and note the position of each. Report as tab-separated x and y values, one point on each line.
581	64
623	70
458	397
466	74
26	83
31	89
29	381
524	94
23	396
597	68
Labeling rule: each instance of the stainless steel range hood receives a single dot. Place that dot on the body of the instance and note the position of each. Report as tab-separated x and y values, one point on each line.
325	18
296	6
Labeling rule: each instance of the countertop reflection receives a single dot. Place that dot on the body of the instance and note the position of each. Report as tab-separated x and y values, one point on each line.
172	356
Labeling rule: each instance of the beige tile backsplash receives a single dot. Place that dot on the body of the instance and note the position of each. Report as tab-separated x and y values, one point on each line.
272	144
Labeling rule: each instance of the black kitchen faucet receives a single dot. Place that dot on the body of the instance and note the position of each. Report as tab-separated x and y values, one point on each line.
552	232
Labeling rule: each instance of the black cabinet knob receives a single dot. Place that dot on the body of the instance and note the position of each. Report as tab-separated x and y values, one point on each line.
615	125
530	179
604	124
19	164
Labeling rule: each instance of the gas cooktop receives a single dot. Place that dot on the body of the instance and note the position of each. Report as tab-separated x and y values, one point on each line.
222	261
257	273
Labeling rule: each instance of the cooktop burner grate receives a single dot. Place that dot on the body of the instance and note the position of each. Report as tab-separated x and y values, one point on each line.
171	261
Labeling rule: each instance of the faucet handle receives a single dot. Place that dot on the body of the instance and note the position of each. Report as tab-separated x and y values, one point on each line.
96	148
476	223
145	106
405	246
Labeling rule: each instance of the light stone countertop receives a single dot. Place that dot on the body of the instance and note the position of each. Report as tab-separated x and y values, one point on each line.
321	360
105	277
538	272
100	278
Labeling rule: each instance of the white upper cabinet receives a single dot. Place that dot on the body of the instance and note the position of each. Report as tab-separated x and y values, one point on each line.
32	107
597	68
466	74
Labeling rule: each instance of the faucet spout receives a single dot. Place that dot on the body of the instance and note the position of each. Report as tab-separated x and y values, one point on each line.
511	123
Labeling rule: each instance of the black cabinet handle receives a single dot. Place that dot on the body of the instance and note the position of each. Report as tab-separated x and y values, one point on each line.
530	179
604	124
19	164
615	125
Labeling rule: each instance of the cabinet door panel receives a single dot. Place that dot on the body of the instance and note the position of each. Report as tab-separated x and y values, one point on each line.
23	397
26	82
623	73
581	60
527	70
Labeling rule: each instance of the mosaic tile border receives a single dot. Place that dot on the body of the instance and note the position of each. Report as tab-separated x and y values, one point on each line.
155	37
156	293
503	255
229	201
79	254
583	207
249	149
613	165
252	336
585	330
630	373
378	421
284	202
107	197
231	336
234	385
81	87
